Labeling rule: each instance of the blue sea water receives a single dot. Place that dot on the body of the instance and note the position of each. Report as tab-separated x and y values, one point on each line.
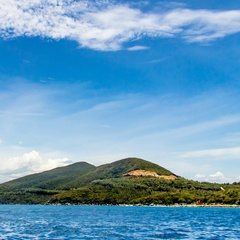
117	222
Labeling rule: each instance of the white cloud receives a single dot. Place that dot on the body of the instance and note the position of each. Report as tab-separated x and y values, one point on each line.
221	153
218	177
238	179
199	176
28	163
156	60
137	48
100	25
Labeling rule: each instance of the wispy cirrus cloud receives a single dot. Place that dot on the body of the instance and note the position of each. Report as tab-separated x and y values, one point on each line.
219	153
137	48
100	25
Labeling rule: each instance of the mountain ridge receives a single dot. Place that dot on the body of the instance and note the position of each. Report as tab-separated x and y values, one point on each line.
126	181
81	173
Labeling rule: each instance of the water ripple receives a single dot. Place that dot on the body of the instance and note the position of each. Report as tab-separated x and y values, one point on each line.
105	222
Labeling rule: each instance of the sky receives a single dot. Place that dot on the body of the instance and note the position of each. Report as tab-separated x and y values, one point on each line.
99	81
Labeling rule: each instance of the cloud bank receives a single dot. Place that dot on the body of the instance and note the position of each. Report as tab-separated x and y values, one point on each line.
28	163
106	25
217	177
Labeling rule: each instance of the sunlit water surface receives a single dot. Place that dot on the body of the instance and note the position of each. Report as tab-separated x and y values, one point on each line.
119	222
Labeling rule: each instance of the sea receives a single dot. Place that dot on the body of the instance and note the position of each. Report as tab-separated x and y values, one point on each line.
117	222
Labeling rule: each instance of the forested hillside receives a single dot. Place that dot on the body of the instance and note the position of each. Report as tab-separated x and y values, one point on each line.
127	181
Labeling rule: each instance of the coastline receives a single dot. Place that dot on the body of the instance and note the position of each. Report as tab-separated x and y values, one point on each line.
210	205
182	205
155	205
139	205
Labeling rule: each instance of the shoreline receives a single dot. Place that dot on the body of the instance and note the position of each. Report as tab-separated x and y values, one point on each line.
210	206
136	205
182	205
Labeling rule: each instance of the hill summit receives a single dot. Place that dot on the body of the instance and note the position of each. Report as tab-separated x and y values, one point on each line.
80	174
127	181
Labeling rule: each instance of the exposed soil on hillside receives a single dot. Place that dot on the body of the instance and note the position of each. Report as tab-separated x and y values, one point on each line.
144	173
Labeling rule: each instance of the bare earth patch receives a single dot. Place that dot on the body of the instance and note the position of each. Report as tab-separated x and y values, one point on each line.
144	173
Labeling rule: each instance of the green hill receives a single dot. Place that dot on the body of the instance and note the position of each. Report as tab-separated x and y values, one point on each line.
50	180
115	170
80	174
83	183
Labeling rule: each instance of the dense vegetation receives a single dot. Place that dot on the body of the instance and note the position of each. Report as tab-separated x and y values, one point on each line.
49	180
143	190
82	183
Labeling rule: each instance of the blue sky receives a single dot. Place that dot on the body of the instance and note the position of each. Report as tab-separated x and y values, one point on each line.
98	81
